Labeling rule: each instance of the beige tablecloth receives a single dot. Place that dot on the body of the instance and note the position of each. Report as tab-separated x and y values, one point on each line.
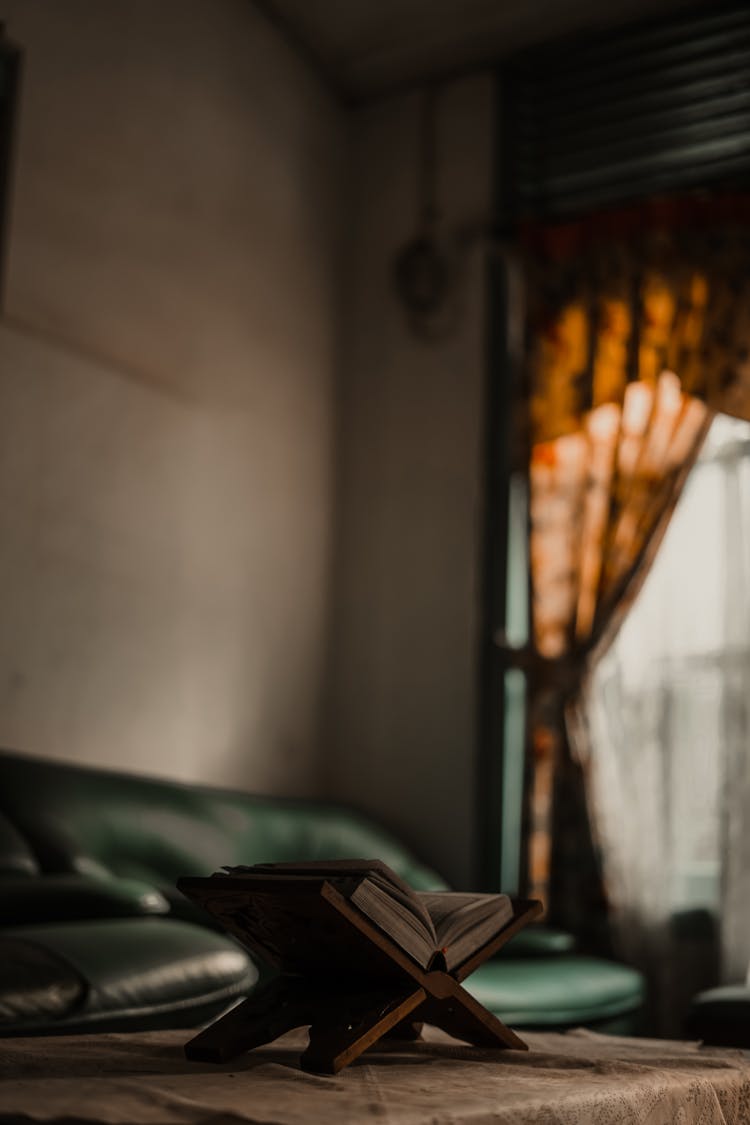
576	1078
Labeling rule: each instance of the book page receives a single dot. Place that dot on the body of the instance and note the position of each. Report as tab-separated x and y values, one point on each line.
402	918
330	868
288	922
464	922
372	886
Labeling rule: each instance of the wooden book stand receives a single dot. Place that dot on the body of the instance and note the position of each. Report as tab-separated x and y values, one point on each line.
348	1015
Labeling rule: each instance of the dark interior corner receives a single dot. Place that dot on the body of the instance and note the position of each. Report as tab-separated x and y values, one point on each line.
10	65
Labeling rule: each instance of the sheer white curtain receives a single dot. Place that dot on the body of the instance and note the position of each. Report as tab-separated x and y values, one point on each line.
670	731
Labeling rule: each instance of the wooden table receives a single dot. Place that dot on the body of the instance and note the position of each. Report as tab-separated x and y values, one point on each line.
574	1079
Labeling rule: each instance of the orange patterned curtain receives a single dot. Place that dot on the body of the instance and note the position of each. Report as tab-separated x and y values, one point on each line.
639	332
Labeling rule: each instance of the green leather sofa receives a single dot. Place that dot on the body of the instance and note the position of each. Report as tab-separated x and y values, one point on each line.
93	933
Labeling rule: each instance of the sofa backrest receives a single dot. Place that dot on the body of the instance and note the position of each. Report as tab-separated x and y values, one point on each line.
77	818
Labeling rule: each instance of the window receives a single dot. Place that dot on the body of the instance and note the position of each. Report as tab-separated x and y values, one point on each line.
670	708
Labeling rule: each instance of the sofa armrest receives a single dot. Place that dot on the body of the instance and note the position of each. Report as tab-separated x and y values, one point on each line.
57	898
539	941
16	857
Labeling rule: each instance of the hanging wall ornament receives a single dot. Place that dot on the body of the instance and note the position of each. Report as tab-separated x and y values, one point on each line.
425	270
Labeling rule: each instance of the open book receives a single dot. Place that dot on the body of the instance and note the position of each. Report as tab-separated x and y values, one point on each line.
269	906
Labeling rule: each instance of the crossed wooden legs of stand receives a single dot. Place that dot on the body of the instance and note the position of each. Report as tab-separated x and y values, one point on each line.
345	1021
343	1024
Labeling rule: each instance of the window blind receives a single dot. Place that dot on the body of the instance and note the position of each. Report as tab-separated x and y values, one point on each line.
655	108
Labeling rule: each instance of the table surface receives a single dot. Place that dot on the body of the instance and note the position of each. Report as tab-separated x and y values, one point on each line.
572	1079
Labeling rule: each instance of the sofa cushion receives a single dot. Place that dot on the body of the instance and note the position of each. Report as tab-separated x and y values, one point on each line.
138	973
96	822
564	991
35	983
57	898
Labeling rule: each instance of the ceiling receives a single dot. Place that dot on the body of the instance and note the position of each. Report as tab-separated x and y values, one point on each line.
371	47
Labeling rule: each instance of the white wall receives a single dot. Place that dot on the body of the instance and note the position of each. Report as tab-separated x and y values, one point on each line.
166	392
403	683
167	403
